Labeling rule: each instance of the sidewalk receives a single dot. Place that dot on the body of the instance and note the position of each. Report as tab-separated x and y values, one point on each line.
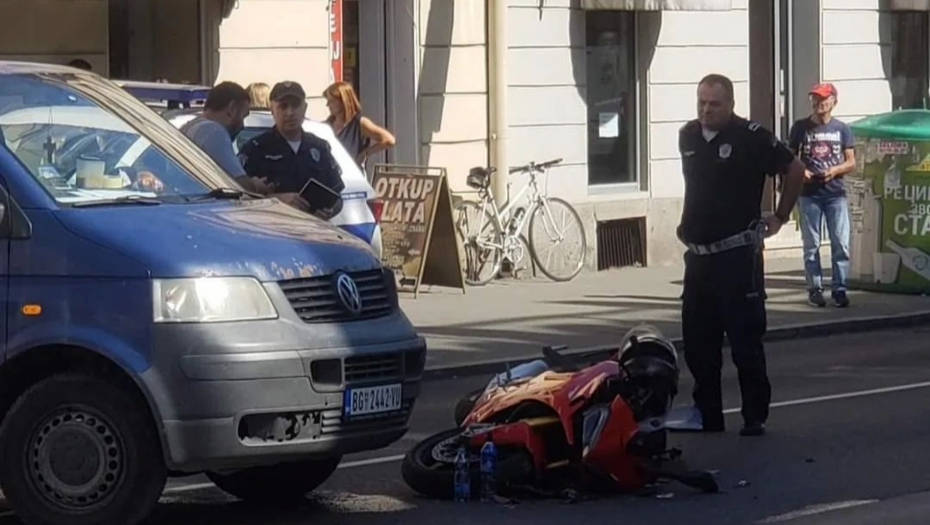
512	320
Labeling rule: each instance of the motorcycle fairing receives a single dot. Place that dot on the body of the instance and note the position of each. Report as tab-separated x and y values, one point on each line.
603	456
564	393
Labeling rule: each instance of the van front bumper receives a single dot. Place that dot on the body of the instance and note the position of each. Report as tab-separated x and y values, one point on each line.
223	411
307	430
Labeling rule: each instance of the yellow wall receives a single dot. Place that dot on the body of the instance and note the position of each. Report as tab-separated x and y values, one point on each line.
69	29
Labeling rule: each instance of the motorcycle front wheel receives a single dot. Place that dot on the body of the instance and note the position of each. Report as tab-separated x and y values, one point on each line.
429	467
465	406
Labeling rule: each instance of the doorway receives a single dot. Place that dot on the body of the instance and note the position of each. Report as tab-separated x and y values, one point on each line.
364	59
771	71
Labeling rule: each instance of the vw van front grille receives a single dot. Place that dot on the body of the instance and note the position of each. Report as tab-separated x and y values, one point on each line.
316	299
373	367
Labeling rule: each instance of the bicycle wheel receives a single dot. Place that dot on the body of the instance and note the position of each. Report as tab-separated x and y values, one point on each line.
480	238
562	226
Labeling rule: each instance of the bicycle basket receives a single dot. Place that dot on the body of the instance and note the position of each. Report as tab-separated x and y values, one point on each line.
478	178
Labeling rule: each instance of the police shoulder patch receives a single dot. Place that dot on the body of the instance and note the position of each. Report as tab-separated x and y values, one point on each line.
753	126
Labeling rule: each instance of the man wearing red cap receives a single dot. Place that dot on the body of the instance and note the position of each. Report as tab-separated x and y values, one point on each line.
825	145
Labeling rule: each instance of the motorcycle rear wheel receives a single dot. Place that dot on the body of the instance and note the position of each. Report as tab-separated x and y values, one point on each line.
435	479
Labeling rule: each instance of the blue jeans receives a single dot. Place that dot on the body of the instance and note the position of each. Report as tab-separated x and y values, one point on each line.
835	209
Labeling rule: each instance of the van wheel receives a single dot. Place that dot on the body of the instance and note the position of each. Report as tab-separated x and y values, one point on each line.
76	450
276	484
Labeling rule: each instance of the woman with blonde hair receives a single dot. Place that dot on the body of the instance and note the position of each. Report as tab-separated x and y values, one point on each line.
360	136
260	95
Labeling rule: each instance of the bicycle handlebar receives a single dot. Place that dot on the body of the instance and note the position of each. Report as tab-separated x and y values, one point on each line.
532	166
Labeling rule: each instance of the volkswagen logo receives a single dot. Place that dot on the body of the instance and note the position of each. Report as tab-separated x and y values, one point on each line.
348	293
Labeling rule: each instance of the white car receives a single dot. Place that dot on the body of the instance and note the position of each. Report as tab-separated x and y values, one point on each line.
361	211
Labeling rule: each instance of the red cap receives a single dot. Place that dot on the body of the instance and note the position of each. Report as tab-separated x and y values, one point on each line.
823	90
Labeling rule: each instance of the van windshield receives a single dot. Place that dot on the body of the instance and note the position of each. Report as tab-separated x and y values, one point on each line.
87	140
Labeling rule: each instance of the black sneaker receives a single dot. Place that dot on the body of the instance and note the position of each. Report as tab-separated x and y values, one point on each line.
815	298
840	299
752	429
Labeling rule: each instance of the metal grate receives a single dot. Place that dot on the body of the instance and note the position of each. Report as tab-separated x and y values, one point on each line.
372	367
316	301
621	243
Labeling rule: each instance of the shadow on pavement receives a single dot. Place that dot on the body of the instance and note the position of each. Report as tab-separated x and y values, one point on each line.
516	319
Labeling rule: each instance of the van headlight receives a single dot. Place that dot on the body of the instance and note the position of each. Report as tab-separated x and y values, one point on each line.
210	300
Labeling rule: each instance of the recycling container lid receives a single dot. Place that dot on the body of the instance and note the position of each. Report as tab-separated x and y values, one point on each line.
904	124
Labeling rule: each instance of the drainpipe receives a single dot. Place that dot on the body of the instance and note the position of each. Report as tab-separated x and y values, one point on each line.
497	96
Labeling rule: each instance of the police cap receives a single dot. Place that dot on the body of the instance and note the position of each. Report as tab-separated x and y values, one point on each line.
286	89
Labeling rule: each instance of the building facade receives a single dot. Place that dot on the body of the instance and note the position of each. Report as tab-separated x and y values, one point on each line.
603	84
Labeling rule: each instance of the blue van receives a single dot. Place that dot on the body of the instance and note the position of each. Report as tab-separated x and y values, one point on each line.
158	321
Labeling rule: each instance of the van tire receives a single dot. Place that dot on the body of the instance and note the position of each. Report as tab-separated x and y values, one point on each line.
61	422
276	484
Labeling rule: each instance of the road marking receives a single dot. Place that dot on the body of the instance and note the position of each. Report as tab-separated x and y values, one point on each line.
813	510
794	402
848	395
188	488
350	464
373	461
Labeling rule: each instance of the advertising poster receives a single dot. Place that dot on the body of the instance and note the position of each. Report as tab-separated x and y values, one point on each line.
890	209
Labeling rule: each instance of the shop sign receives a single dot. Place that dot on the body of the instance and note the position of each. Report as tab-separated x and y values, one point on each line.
335	40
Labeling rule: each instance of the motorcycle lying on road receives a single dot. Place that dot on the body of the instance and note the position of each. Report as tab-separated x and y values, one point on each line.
560	426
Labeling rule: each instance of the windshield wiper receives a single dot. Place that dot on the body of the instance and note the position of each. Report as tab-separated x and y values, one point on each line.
127	199
226	193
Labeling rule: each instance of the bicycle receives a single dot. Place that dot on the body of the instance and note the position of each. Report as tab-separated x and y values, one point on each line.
499	234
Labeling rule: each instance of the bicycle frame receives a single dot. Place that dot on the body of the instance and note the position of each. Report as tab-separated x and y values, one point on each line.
508	241
502	215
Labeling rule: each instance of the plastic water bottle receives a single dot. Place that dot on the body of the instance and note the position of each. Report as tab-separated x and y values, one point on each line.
488	466
462	477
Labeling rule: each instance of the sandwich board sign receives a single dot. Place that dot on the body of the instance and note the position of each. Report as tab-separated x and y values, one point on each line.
418	237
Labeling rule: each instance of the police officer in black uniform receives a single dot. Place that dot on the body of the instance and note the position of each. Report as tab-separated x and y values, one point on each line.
288	157
725	160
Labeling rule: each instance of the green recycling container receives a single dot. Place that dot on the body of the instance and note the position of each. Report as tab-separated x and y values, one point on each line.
889	201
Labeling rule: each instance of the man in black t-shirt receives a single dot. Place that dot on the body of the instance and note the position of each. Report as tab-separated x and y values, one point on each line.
826	146
725	161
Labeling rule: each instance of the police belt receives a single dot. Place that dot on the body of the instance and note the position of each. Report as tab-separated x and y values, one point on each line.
752	237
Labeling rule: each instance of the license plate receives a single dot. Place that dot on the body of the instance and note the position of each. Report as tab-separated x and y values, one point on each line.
372	400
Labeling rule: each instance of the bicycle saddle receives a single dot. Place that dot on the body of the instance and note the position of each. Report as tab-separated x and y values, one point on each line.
479	177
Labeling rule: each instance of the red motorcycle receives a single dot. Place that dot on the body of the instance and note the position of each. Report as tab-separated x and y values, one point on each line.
560	426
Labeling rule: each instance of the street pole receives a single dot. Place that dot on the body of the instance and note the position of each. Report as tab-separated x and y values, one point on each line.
497	96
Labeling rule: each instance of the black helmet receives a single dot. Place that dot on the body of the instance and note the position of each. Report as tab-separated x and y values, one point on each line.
647	341
650	362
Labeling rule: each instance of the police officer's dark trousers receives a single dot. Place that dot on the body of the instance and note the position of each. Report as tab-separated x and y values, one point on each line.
724	294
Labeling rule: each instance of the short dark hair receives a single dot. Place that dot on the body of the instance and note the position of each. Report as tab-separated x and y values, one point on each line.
80	63
224	94
720	80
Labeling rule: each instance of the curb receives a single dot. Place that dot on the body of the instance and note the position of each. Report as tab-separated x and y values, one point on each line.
782	333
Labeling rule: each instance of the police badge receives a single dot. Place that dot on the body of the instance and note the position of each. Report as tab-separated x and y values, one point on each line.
724	151
315	153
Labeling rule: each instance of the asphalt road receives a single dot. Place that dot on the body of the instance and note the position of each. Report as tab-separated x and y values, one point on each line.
847	443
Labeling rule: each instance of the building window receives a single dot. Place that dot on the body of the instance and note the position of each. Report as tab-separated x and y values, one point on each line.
909	59
611	97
